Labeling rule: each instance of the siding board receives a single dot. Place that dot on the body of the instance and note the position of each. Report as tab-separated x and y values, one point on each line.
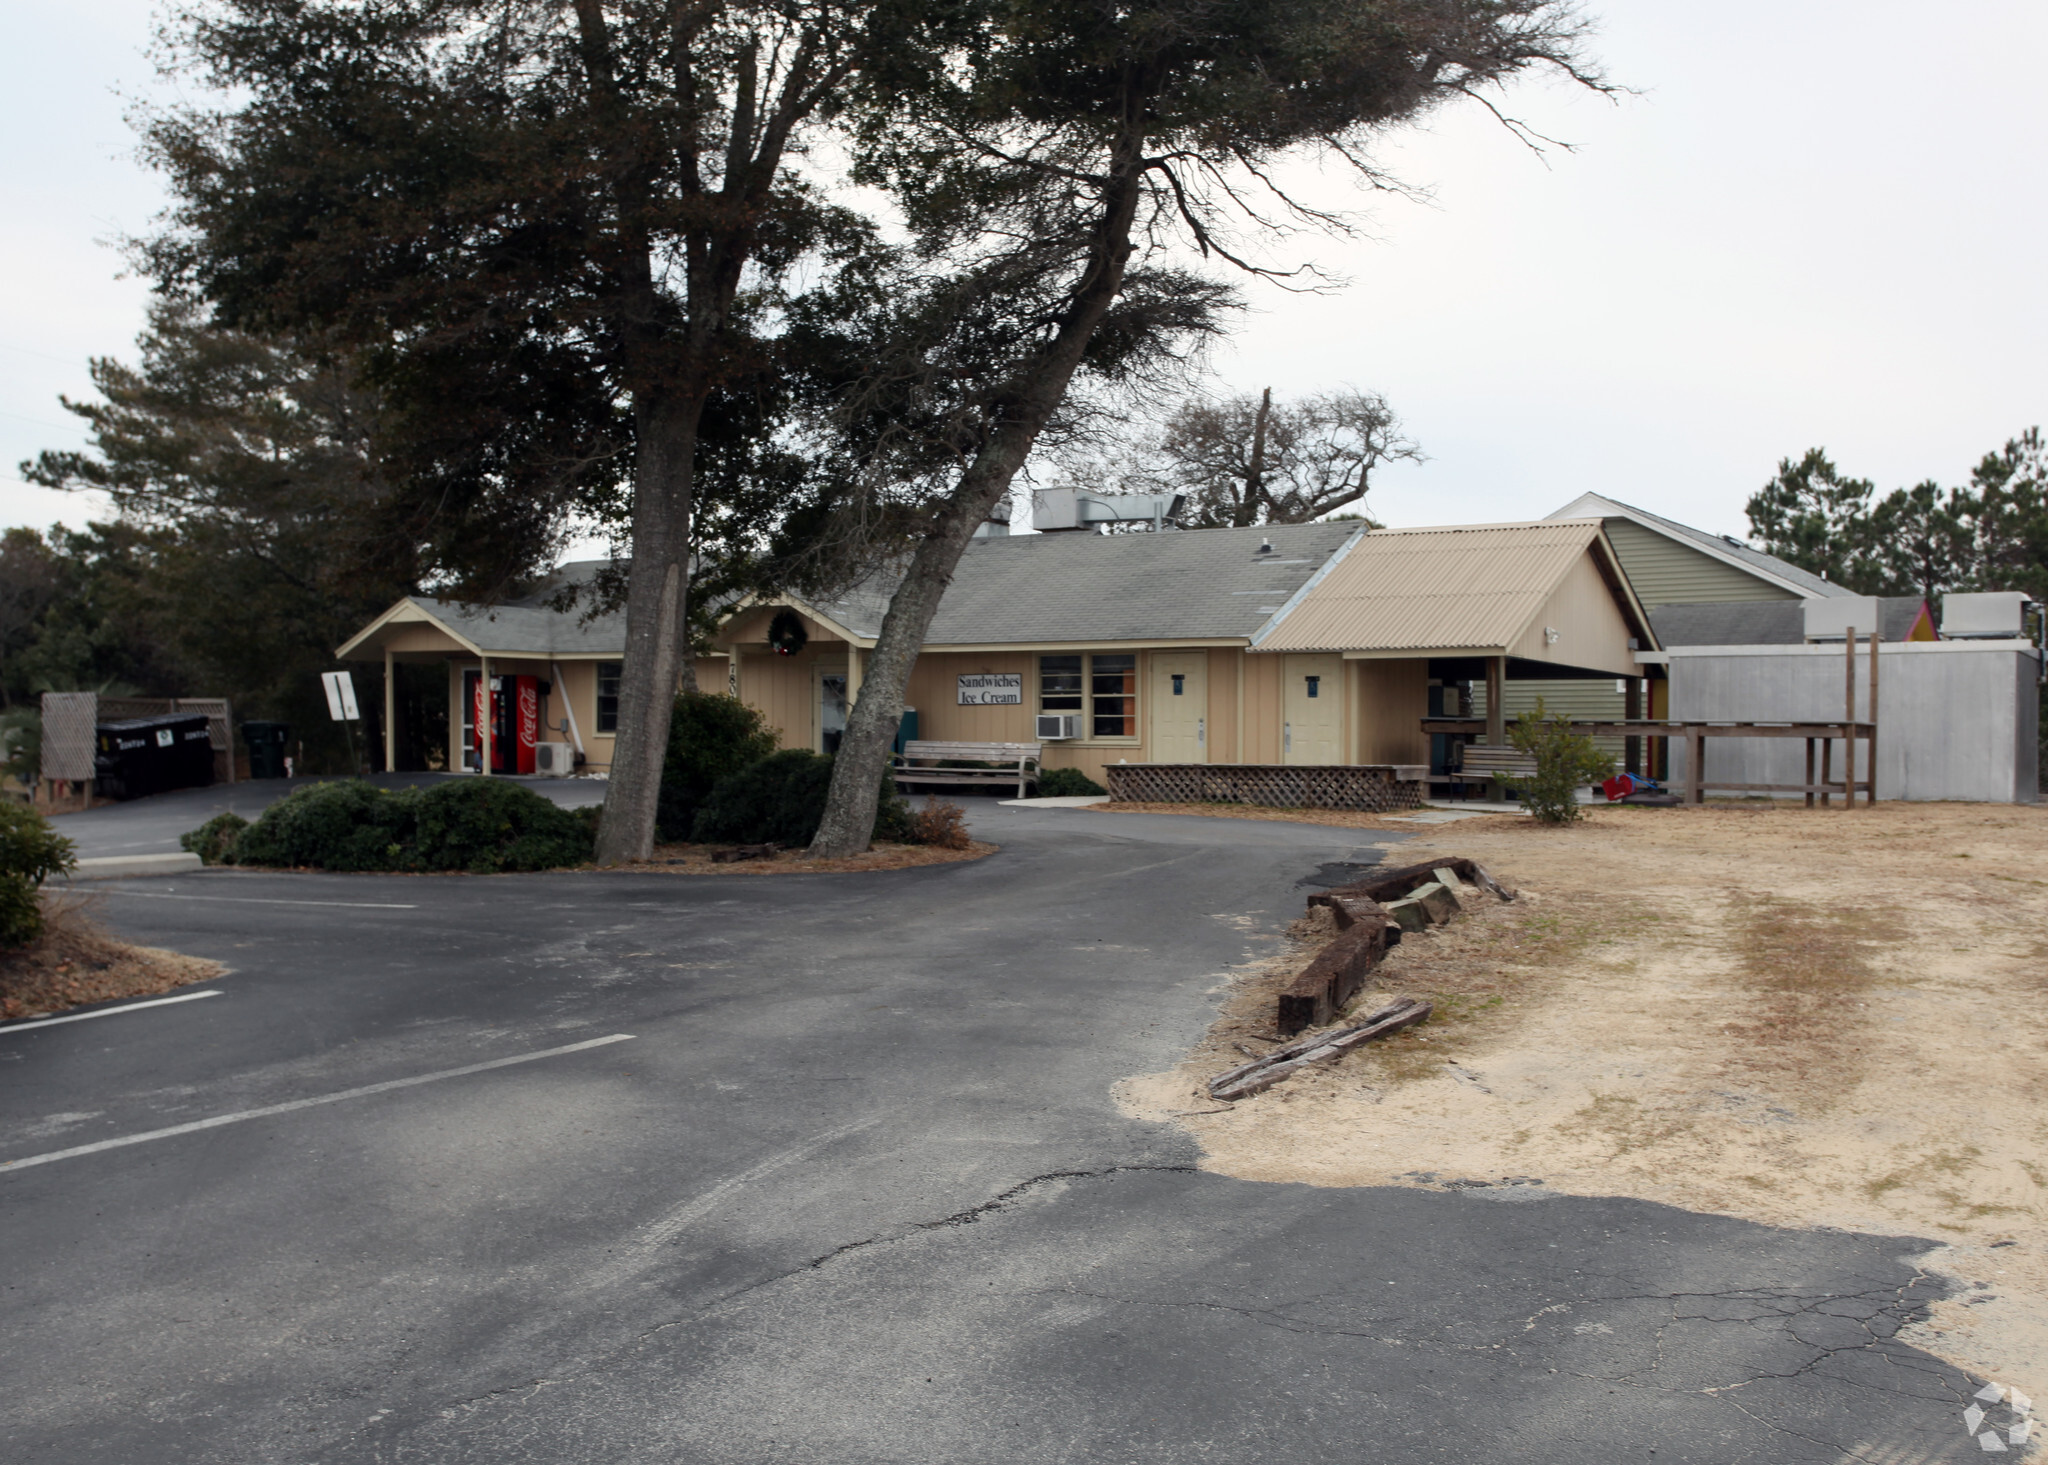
1665	572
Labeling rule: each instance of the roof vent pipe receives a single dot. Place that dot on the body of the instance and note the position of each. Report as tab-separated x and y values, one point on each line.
1265	546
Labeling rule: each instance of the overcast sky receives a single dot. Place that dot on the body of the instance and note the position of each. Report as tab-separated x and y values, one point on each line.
1818	224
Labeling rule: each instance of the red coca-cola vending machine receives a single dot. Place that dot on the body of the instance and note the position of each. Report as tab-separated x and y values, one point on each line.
514	719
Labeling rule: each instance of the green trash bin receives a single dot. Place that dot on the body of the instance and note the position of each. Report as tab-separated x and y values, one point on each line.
266	742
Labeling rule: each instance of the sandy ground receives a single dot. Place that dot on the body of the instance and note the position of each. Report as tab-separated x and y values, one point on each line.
75	962
1804	1018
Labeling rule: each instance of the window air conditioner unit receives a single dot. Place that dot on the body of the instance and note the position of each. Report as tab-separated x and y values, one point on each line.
554	760
1054	727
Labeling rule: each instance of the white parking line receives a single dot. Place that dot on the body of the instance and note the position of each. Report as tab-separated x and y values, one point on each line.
361	905
364	1092
50	1022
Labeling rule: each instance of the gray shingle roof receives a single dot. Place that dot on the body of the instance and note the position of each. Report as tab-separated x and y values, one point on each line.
523	625
1196	584
1764	622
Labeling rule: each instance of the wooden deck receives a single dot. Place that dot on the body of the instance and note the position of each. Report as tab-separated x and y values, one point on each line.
1695	734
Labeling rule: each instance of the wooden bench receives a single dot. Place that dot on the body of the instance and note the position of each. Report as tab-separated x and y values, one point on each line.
1019	760
1478	764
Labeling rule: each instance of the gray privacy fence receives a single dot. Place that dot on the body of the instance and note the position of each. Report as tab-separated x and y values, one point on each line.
1955	719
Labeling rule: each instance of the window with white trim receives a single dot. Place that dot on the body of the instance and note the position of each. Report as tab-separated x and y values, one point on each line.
1103	689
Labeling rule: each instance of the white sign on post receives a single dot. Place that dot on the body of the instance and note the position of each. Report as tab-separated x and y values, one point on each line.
992	689
341	696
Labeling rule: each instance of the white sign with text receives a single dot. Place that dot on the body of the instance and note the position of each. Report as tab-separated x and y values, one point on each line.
992	689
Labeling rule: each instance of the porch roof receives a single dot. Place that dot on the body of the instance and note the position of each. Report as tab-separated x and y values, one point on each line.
520	626
1434	591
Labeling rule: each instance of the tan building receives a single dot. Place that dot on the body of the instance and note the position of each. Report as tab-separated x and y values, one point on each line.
1313	644
569	664
1289	644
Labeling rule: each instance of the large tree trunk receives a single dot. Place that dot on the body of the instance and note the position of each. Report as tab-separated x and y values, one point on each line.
1041	385
657	640
1255	475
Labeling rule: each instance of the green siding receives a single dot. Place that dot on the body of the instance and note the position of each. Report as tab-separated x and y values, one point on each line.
1666	571
1582	701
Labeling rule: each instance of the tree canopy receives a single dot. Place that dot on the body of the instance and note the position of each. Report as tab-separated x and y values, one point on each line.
1991	534
1083	187
554	233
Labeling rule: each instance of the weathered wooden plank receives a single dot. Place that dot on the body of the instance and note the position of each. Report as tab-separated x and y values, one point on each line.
1249	1079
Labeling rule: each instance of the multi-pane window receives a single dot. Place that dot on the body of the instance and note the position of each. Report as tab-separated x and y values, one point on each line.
1113	689
1059	683
1103	689
608	696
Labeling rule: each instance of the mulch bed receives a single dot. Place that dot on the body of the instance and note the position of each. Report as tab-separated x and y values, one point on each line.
75	962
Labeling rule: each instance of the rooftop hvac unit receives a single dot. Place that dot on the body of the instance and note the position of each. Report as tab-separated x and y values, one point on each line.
1057	727
554	760
1832	617
1987	614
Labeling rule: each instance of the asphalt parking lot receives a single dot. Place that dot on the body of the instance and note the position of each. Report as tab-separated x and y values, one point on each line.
846	1184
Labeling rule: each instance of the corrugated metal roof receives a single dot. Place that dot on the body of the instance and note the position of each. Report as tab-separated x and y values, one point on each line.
1426	590
1033	589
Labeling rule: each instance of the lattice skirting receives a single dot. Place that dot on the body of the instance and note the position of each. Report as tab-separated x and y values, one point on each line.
1370	788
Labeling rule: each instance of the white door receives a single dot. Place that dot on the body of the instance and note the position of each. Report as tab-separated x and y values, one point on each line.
1314	710
1180	707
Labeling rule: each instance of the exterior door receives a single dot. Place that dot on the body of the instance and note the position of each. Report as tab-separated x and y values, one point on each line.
831	710
1314	710
1180	707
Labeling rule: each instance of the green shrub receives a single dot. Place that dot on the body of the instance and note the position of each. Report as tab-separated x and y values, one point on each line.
709	737
1067	783
484	825
30	853
1565	762
348	824
214	841
781	800
477	824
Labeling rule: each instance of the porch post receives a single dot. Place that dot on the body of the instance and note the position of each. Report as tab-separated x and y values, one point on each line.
853	676
1496	694
1632	711
390	717
1849	731
483	683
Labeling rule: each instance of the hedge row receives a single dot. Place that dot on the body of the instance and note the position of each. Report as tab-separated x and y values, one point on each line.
722	782
482	825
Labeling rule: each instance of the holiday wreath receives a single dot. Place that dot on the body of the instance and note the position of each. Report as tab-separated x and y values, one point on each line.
786	633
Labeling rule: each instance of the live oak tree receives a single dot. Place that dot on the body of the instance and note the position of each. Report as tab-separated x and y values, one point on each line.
555	232
1057	178
1246	460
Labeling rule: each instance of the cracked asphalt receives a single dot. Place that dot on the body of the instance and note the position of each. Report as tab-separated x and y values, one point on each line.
856	1191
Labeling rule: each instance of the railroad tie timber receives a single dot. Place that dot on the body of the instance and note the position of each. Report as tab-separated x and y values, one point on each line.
1370	916
1334	977
1394	884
